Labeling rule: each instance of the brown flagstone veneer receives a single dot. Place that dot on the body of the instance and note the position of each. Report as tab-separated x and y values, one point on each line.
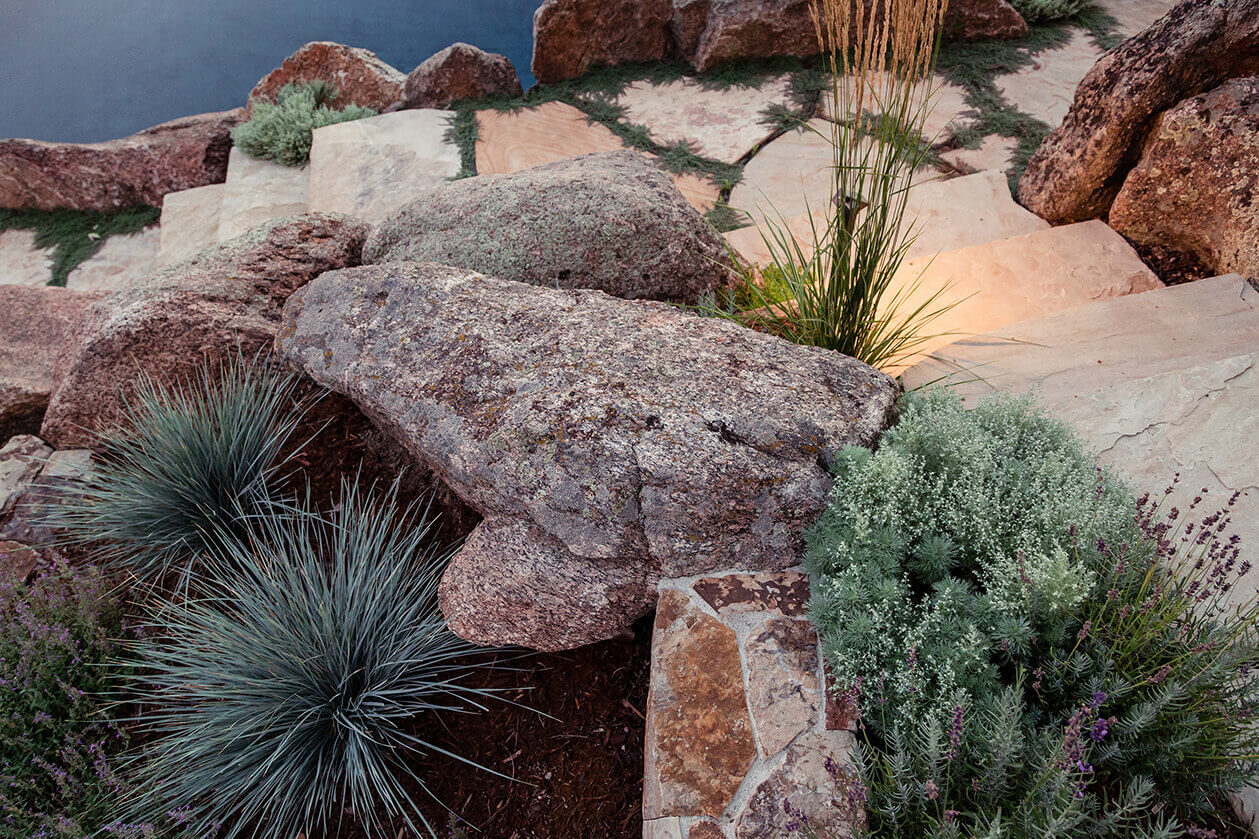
783	592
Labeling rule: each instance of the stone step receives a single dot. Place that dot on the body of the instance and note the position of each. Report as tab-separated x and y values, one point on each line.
1160	383
1012	280
258	191
368	168
21	263
190	222
945	215
737	721
509	141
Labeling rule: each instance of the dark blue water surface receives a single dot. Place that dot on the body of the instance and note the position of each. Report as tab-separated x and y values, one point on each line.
88	70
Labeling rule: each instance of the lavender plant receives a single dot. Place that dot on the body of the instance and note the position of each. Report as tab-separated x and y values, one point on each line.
1034	651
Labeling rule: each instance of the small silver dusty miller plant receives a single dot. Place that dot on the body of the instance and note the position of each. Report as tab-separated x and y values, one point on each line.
1033	650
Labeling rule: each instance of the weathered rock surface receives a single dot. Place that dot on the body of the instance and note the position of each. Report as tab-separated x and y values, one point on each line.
17	562
613	222
571	36
643	442
973	20
190	223
461	71
804	782
34	324
1200	44
360	77
223	300
139	169
1194	190
699	734
59	478
21	459
784	692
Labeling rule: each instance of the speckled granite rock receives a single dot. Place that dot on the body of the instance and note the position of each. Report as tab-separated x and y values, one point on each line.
641	441
360	77
461	71
613	222
139	169
1197	46
203	309
34	324
571	36
1194	190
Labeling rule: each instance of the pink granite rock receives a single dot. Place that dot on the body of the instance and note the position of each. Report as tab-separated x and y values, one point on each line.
359	76
461	71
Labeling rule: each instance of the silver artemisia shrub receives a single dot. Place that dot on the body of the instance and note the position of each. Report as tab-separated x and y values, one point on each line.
1033	651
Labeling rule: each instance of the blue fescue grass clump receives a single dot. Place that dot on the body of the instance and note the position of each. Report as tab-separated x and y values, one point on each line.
290	687
282	130
188	466
1033	651
58	748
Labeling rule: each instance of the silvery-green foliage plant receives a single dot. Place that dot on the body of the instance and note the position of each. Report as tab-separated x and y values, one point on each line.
283	130
1035	11
291	688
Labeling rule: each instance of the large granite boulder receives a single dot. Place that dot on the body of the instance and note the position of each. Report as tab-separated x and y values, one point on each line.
135	170
606	443
224	300
461	71
1199	45
613	221
359	76
571	36
709	32
1193	191
34	323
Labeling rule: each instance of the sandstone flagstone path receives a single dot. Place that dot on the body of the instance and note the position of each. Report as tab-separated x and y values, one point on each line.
995	153
120	262
719	124
21	263
258	191
1045	88
1135	15
946	105
368	168
190	222
737	722
789	176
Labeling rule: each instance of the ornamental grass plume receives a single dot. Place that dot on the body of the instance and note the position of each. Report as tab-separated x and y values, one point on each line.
842	291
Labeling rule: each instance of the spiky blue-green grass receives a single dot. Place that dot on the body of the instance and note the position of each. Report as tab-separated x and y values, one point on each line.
288	689
186	468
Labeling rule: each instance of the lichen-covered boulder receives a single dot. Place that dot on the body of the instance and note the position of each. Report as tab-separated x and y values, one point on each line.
613	221
606	443
223	301
1197	46
140	169
571	36
1194	189
461	71
34	323
359	76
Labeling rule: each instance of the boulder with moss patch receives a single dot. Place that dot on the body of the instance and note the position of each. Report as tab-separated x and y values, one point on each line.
358	75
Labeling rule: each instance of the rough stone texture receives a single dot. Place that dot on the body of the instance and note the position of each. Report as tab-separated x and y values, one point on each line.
1160	383
705	830
641	439
803	781
461	71
21	458
508	142
783	689
667	828
698	729
709	32
1011	280
368	168
200	310
21	263
720	124
783	593
360	77
18	561
1046	87
190	223
613	222
1194	189
258	191
59	480
571	36
34	324
1196	47
139	169
121	261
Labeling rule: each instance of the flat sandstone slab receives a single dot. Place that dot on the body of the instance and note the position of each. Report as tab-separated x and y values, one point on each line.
1046	87
368	168
258	191
120	262
21	263
190	223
